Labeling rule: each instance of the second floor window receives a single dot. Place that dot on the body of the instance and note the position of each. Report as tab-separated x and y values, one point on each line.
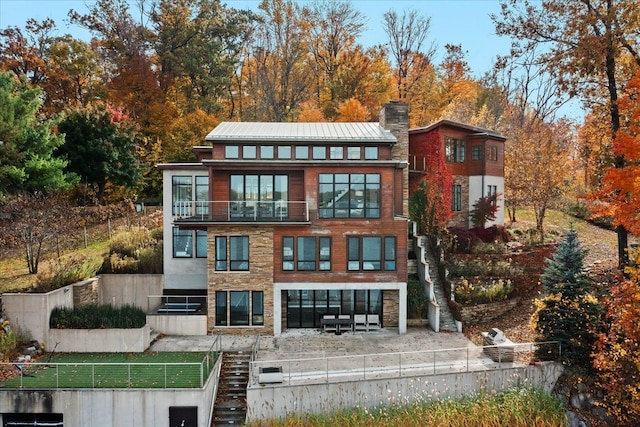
232	253
349	195
371	253
492	153
454	150
306	253
476	152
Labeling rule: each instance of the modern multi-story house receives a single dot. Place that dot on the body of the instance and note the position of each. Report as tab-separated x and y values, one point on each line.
475	158
279	224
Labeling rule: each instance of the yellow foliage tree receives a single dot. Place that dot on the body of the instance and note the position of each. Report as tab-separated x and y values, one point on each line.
352	111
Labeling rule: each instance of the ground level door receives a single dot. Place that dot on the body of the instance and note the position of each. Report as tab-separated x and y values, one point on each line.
183	416
306	307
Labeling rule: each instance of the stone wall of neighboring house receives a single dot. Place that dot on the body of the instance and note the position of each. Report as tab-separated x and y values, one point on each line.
461	218
473	315
390	309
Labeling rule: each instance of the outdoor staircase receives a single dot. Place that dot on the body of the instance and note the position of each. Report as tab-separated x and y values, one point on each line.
447	322
230	407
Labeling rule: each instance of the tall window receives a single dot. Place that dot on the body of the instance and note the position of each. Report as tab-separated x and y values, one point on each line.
235	257
476	152
492	190
201	244
182	243
456	197
454	150
371	253
180	192
308	254
492	153
202	195
349	195
257	308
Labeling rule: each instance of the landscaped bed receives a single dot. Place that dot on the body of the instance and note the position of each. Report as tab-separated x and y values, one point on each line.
115	370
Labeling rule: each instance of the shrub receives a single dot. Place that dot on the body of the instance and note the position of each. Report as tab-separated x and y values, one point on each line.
10	339
416	300
489	248
94	316
480	267
138	251
66	271
467	292
461	240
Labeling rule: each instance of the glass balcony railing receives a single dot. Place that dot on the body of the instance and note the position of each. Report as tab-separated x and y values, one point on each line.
240	211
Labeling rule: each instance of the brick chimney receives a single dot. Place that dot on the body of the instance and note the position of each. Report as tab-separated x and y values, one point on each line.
394	117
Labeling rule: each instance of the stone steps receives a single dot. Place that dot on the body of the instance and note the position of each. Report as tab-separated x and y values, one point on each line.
447	321
230	407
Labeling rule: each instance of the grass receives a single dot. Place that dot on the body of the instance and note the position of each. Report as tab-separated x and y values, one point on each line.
522	407
117	370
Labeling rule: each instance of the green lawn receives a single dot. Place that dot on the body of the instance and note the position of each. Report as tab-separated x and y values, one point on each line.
117	370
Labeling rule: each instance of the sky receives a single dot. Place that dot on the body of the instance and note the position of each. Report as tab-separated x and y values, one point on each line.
464	22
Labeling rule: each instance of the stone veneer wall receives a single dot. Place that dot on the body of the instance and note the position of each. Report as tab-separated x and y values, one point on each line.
482	312
258	278
85	293
394	117
390	308
461	219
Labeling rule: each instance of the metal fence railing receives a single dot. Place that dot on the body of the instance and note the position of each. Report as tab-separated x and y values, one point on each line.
49	375
391	365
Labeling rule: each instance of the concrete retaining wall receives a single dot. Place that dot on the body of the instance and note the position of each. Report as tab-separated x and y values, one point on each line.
112	407
120	289
178	324
279	401
101	340
31	312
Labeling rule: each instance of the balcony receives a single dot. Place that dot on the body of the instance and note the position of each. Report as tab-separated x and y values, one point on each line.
209	212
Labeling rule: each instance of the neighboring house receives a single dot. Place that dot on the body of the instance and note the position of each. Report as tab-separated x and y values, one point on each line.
279	224
475	158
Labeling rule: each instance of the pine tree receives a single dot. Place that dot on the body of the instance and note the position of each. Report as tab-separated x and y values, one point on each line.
569	313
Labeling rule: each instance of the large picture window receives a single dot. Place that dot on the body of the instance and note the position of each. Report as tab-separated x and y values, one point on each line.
258	195
349	195
308	254
239	308
454	150
366	253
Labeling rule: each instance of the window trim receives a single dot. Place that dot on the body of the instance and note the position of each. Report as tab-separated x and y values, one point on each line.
356	253
185	234
455	150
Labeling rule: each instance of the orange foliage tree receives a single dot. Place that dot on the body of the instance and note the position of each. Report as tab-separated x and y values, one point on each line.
620	191
352	110
617	356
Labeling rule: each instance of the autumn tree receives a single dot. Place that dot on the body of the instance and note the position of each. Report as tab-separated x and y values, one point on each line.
351	111
484	210
278	72
336	27
619	193
31	220
104	136
582	44
616	357
198	46
407	34
28	142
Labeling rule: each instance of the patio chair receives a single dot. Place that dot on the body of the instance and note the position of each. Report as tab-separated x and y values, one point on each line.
373	321
329	327
346	316
360	322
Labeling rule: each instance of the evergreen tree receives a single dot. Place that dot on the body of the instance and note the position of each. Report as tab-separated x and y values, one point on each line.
569	313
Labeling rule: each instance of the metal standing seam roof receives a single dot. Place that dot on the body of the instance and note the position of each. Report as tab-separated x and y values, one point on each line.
318	132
